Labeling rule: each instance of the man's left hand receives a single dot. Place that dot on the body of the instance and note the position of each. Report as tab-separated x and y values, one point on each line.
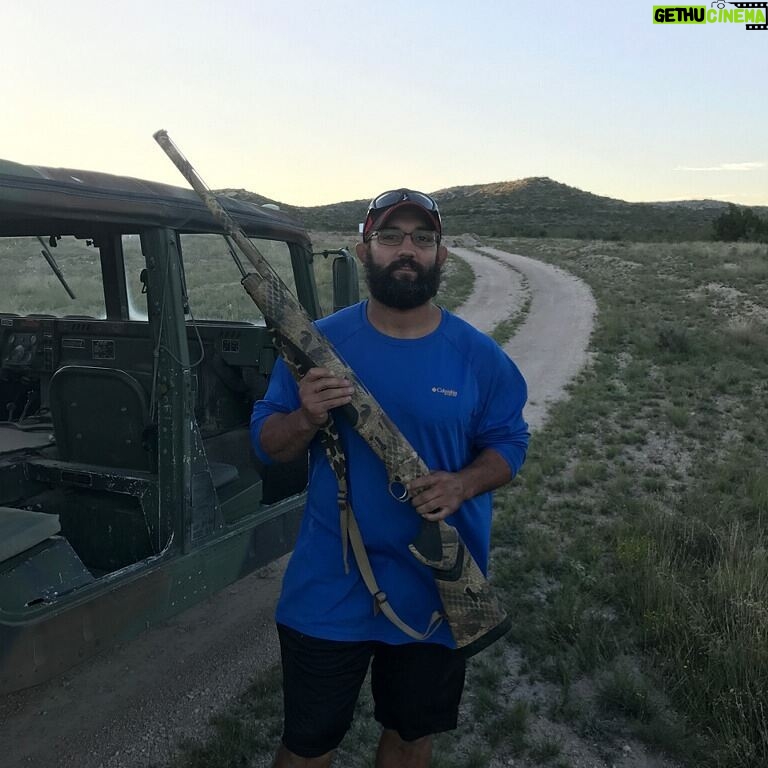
437	495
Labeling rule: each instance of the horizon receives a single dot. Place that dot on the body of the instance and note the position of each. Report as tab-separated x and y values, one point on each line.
435	192
314	104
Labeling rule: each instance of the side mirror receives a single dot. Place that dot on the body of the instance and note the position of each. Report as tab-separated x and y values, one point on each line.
346	289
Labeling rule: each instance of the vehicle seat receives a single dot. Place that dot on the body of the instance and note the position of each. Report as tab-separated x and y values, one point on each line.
21	530
101	416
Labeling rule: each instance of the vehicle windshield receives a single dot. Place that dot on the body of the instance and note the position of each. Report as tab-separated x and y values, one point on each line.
211	276
30	285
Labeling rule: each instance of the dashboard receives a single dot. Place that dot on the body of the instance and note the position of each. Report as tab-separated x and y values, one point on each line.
227	374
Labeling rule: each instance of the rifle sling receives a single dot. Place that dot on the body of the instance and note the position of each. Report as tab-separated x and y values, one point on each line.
350	532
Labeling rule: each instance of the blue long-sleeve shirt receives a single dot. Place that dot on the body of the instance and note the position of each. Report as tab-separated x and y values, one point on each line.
452	393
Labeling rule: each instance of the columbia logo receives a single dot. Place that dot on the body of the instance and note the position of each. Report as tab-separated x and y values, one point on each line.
446	392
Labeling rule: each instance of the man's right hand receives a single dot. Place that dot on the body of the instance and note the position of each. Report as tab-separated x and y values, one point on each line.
285	436
319	392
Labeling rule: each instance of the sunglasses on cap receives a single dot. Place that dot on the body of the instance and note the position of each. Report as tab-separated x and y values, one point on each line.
395	198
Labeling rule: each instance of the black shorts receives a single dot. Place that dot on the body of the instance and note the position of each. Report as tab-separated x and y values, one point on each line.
416	688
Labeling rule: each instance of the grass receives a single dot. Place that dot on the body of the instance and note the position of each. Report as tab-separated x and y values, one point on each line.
546	750
665	516
625	690
251	726
506	329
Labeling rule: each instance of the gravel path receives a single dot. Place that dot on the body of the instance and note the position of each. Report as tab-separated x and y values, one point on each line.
551	346
498	293
127	707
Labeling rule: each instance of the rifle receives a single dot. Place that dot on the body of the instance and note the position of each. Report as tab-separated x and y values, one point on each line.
469	605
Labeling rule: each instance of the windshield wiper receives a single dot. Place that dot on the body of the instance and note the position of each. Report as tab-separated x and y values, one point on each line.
46	253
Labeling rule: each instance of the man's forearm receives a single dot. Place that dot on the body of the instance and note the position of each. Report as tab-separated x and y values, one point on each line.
286	436
439	494
486	473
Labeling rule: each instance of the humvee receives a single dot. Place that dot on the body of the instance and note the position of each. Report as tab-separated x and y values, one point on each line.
130	358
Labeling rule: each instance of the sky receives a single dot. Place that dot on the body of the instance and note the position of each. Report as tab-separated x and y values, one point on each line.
318	102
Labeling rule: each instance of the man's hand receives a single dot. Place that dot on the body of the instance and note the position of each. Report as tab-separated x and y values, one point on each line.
437	495
286	436
320	391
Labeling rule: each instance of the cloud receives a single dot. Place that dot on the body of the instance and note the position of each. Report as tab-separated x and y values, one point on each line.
723	167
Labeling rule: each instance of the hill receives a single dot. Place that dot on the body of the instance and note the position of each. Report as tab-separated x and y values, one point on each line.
534	207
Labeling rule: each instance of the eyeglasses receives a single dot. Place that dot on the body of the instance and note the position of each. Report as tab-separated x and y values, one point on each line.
421	238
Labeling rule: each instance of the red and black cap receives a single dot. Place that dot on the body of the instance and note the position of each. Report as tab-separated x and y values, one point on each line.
384	205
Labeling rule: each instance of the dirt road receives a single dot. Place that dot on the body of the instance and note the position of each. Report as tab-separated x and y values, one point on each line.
551	346
498	292
127	707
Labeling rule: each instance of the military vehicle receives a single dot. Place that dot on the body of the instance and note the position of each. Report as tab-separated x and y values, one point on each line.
130	358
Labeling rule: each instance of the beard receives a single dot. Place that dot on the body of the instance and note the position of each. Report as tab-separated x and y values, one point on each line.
402	292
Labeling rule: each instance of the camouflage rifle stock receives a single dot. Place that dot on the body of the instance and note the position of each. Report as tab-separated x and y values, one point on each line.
472	611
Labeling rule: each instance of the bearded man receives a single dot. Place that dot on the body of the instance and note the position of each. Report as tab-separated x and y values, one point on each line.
458	399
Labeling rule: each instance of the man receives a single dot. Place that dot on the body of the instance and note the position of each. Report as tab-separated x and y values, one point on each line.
458	399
